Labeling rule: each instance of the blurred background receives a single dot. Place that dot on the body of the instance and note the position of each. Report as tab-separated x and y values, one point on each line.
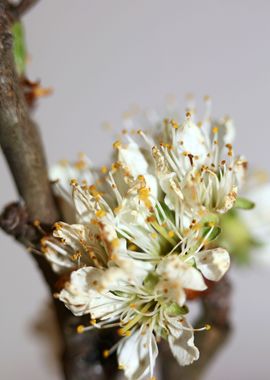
102	56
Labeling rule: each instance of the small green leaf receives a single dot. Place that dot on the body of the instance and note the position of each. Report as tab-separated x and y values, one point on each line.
174	309
244	203
19	47
151	280
213	234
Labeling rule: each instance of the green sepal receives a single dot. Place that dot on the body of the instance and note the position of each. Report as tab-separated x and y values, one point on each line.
214	234
244	203
151	281
174	309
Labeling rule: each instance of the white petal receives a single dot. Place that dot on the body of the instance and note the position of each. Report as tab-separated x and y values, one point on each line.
173	290
76	294
174	268
133	158
137	355
213	263
86	293
182	346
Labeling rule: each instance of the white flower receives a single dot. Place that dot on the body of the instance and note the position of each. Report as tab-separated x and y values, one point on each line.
62	174
143	236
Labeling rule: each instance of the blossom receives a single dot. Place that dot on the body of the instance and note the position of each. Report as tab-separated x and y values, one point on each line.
144	232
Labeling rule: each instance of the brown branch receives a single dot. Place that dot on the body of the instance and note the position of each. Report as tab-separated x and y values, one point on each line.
19	137
17	11
216	312
22	147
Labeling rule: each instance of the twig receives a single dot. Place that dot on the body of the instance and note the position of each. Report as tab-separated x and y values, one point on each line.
23	150
17	11
216	311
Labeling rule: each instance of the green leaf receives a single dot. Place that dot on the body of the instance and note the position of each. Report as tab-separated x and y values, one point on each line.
213	234
244	203
151	280
174	309
19	47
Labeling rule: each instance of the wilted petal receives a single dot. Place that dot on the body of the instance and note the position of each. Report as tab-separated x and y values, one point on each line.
213	263
182	346
76	294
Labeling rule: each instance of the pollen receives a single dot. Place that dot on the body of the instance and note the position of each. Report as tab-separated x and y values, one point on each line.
117	144
171	234
106	354
208	327
104	169
80	165
174	124
117	209
100	213
132	247
73	182
215	130
93	322
80	329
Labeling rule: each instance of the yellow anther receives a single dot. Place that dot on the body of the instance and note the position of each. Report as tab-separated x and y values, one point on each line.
93	322
174	124
100	213
208	327
171	234
121	367
215	130
73	182
188	114
132	247
106	354
151	219
141	178
80	329
104	169
117	144
80	165
117	209
133	305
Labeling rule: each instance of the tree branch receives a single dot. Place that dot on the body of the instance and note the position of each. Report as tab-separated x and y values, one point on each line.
17	11
22	147
19	137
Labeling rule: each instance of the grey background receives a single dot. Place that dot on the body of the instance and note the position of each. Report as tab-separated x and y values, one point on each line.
101	56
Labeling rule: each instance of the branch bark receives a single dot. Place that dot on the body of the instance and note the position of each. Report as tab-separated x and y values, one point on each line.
19	136
22	147
17	11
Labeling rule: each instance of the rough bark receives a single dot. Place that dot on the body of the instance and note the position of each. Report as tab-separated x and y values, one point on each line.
22	147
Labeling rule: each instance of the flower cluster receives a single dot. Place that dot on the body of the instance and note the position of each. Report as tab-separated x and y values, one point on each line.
143	234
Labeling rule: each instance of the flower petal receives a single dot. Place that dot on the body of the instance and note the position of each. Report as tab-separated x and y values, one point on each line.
182	346
213	263
137	355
